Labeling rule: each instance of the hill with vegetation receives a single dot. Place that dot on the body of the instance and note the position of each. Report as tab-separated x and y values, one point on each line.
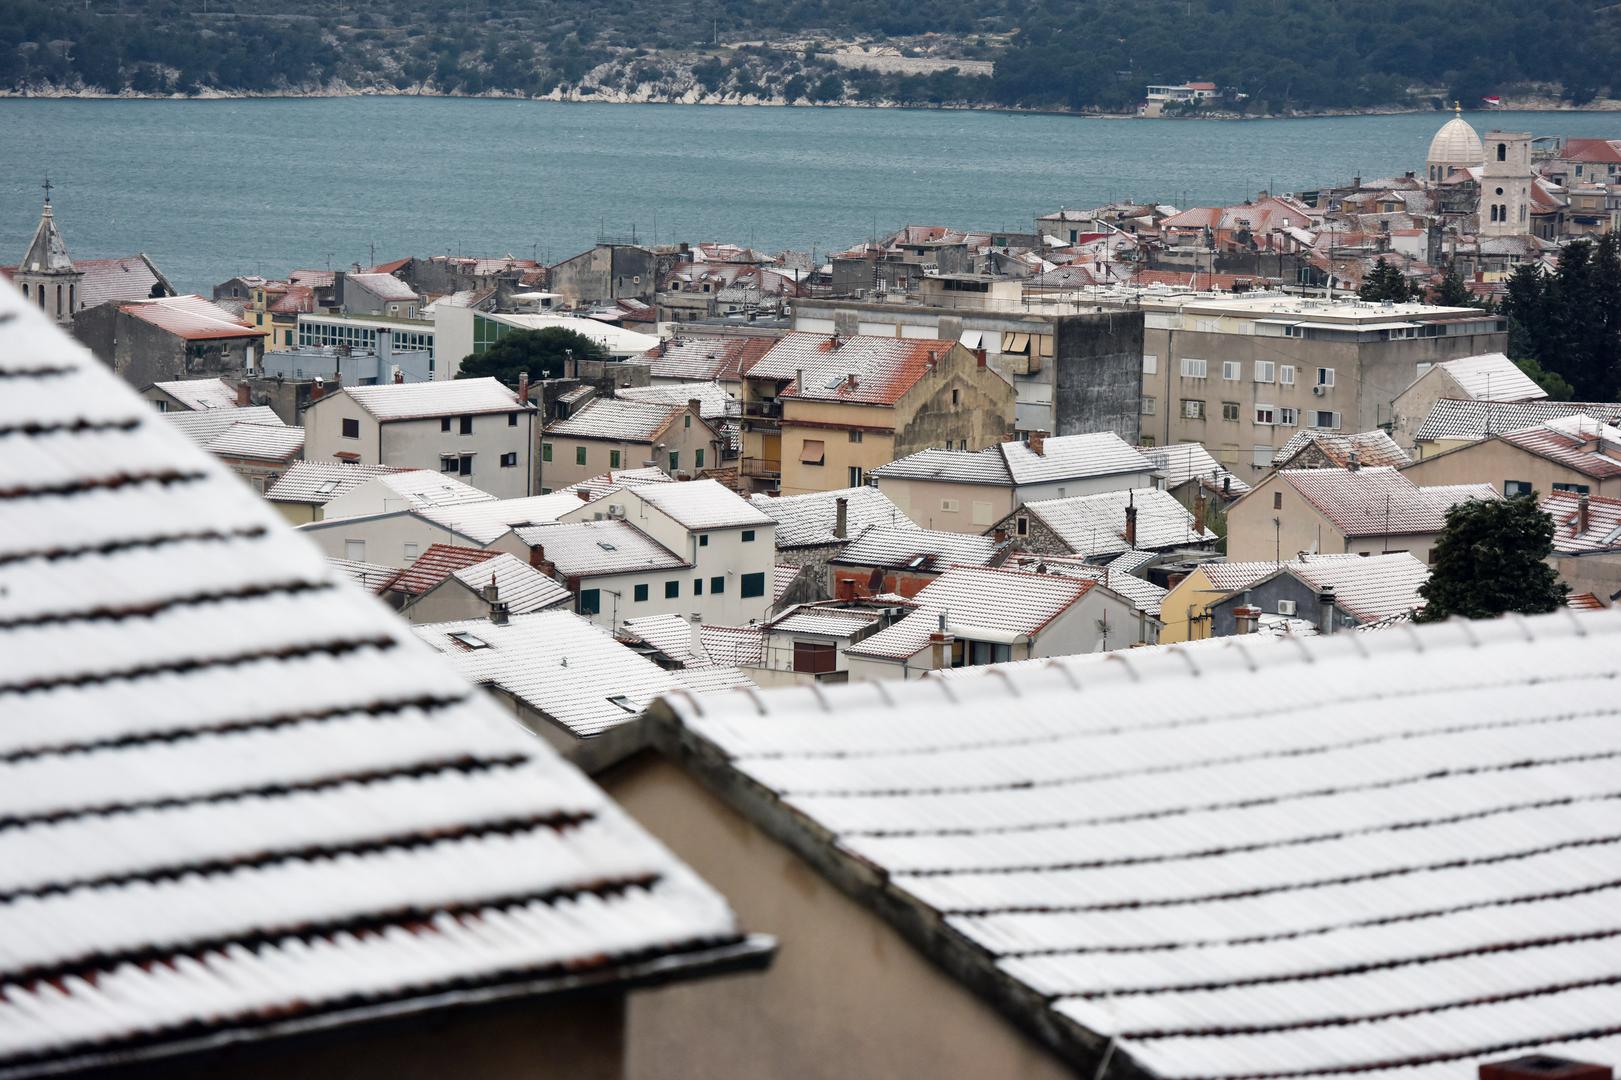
1271	56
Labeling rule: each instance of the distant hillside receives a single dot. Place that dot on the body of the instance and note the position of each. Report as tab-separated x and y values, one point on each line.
1070	54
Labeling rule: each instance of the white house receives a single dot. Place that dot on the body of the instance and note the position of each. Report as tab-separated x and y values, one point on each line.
398	537
474	429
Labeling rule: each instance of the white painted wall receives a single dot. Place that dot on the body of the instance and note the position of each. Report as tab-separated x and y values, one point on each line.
394	539
419	444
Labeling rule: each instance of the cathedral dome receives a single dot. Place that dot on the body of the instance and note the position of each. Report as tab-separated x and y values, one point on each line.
1456	144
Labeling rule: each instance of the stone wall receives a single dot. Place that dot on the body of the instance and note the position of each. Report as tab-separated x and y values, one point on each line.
1098	361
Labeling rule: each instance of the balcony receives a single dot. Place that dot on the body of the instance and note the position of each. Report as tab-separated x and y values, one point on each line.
762	410
762	468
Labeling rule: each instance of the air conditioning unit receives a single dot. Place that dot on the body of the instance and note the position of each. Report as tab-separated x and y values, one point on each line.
1286	607
1319	390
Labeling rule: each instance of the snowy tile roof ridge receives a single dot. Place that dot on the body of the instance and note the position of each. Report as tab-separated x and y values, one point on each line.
319	482
617	419
714	403
598	548
1603	531
1371	448
1095	525
919	549
1073	457
199	394
486	521
388	402
975	598
950	466
1493	377
1181	462
701	505
884	368
191	701
1579	442
808	520
1452	418
1378	501
1148	851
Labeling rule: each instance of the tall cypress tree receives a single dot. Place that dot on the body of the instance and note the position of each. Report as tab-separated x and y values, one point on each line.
1523	305
1607	302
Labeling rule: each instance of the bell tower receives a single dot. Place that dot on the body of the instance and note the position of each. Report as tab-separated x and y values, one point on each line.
1505	185
46	275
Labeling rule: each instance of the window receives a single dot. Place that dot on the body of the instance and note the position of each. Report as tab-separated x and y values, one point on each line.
1264	370
753	585
1277	500
444	423
455	465
1266	414
639	594
1288	417
717	585
467	425
1325	376
613	459
672	590
697	586
1229	410
748	536
509	461
956	396
1148	405
1325	419
579	455
1421	370
982	513
1192	368
855	436
410	552
703	539
812	452
1150	364
287	337
545	451
1516	489
948	506
1286	375
590	601
698	459
1022	526
512	419
1574	489
675	460
1231	370
354	550
1192	409
688	419
1261	456
854	476
351	429
815	657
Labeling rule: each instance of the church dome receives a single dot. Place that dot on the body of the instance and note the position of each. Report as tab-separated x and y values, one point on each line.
1456	144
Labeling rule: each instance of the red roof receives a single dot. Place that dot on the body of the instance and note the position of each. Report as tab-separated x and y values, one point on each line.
1607	151
190	317
1583	601
390	267
1603	532
294	300
1578	442
436	564
861	370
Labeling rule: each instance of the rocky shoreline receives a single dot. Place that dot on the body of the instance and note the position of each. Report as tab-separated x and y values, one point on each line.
650	96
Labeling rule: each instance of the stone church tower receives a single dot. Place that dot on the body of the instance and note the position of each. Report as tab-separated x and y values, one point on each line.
46	275
1505	184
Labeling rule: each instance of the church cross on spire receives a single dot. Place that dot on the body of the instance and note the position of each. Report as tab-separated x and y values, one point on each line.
47	185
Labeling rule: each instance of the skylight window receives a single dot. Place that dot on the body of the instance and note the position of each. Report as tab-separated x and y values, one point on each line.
327	488
468	641
836	382
624	703
606	546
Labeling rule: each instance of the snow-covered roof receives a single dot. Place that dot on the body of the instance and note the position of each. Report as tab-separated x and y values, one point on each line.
217	760
1073	457
558	664
915	549
598	486
808	520
370	577
519	586
1370	447
617	420
836	622
1603	531
385	287
422	400
1152	857
1492	377
670	635
1181	462
484	522
1117	576
975	601
1095	525
200	394
985	466
700	505
598	548
422	488
319	482
1454	418
1380	501
255	433
714	403
1591	447
864	370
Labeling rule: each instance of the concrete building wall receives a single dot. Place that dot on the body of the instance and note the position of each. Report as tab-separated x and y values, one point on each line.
957	401
606	272
852	437
580	1038
680	439
323	431
1097	383
421	444
395	539
1599	574
1182	609
1252	537
971	509
448	601
1266	595
143	354
1415	401
1495	462
846	997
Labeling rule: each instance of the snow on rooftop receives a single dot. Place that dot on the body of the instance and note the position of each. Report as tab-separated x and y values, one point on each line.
423	400
808	520
1181	462
1453	418
1073	457
1095	525
1492	377
1164	858
915	549
200	394
598	548
485	521
1378	501
703	504
320	482
192	701
975	600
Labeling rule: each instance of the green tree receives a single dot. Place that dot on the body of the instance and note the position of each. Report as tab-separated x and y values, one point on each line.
1553	384
1523	305
1385	282
1452	292
1490	560
539	353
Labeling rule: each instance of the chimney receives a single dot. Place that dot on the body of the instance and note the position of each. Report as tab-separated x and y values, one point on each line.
1131	523
850	379
846	589
317	391
399	377
538	560
244	395
695	407
1325	604
523	389
1352	463
841	517
1038	443
940	646
834	342
1000	536
1227	486
799	379
1544	1067
1246	619
1199	512
979	357
498	607
931	358
1581	514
